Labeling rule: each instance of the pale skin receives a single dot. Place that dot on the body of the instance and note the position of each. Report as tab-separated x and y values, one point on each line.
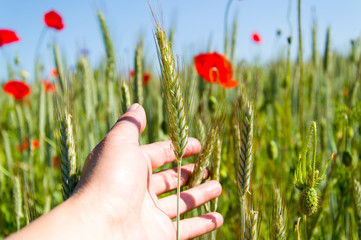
117	195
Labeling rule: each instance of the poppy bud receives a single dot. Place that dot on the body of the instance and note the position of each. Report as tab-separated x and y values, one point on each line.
164	127
212	103
308	201
272	150
289	40
279	32
350	133
346	158
17	60
24	74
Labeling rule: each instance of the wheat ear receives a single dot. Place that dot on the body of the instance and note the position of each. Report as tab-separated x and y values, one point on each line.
17	201
125	103
176	113
68	161
244	145
59	67
251	225
138	72
278	222
177	116
327	55
216	164
203	159
110	71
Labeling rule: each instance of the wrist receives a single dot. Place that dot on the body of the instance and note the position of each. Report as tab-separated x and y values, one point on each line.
76	218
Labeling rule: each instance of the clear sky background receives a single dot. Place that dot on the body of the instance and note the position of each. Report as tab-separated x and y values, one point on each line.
197	23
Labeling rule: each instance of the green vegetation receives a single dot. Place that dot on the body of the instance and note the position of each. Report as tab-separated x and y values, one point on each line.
251	137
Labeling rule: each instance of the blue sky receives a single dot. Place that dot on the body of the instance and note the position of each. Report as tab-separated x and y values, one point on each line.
197	23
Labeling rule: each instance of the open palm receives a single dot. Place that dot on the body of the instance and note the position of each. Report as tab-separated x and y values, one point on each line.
118	175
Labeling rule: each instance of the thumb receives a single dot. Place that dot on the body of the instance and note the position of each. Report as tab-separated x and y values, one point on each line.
129	125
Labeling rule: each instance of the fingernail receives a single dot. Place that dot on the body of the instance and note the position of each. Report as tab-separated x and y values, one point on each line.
133	107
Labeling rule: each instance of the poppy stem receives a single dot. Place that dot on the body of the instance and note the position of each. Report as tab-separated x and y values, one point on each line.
300	62
226	13
38	45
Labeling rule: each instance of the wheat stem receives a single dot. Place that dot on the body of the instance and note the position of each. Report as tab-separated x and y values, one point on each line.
138	72
216	164
300	62
59	67
357	196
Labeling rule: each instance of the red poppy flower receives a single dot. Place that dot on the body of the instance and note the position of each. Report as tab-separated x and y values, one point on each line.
146	78
56	162
19	90
7	37
49	87
215	68
54	72
36	143
52	19
25	145
256	38
131	73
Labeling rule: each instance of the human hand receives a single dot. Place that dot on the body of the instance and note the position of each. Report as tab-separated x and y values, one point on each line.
119	173
116	197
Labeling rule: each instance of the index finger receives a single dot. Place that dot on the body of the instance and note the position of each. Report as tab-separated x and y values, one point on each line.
161	153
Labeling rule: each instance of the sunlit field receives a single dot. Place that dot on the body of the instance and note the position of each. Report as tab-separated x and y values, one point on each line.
283	137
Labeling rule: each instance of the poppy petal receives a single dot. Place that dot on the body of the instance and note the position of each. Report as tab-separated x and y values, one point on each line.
232	83
215	68
52	19
19	90
146	78
7	36
256	38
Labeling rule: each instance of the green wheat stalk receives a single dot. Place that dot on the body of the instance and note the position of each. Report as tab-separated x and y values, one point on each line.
89	81
204	157
202	132
125	94
110	70
68	156
314	46
279	222
327	54
8	154
174	100
216	165
17	200
109	49
59	67
357	197
300	62
138	72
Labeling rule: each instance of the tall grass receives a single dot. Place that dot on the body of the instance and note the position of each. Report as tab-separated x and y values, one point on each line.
258	152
